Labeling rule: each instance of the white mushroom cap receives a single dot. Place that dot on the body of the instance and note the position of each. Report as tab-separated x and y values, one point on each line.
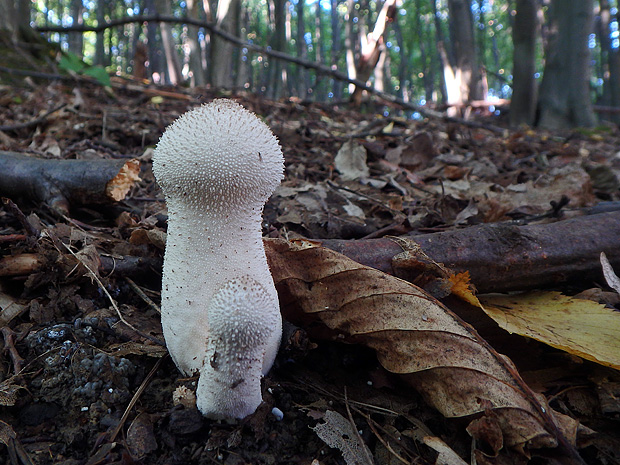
220	151
217	166
229	384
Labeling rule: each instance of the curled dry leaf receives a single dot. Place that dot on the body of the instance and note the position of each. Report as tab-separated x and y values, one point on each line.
414	335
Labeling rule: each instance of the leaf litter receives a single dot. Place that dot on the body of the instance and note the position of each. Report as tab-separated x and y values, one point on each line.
417	176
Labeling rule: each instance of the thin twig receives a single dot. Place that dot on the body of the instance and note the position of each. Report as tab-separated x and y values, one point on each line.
112	301
357	434
136	396
9	345
142	295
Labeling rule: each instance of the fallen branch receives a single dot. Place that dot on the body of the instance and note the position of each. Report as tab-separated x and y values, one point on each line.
502	257
499	257
61	183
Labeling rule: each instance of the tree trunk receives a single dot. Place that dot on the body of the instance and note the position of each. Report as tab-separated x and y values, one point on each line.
610	60
564	99
302	51
350	42
100	57
76	39
372	47
173	67
277	70
8	20
442	54
221	56
319	50
153	51
337	85
403	63
196	68
524	32
244	62
462	72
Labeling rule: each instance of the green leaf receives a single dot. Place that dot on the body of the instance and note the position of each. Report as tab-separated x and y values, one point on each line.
71	62
99	73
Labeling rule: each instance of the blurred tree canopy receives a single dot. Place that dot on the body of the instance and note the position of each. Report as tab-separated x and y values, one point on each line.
456	56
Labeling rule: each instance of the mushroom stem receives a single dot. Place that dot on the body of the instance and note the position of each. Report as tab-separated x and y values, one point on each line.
196	237
217	166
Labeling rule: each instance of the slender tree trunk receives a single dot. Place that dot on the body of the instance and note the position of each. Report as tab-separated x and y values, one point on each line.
173	66
100	57
302	50
373	46
610	60
564	99
153	50
196	68
442	54
221	53
403	63
319	86
350	42
524	32
244	64
76	39
337	85
462	73
277	70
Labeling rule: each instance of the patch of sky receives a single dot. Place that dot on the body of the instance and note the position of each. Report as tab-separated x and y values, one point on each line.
592	41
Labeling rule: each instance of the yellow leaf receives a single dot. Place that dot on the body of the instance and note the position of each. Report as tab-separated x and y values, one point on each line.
462	288
580	327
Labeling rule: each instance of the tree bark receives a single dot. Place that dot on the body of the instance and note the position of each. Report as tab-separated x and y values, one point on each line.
564	99
196	68
372	47
502	257
462	69
524	33
221	56
100	55
173	67
336	48
611	60
62	183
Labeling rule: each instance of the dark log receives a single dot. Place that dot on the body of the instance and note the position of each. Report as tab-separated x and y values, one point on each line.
501	257
61	183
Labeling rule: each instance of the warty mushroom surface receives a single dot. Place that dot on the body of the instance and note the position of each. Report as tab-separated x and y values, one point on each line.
217	166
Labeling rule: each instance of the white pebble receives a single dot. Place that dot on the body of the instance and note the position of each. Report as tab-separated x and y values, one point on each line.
276	412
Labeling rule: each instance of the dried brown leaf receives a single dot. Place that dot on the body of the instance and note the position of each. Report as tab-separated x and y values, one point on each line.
413	334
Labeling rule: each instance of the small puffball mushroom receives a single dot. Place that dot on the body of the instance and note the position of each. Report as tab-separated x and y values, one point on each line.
217	166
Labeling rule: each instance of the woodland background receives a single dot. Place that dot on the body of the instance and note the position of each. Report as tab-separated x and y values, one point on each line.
558	62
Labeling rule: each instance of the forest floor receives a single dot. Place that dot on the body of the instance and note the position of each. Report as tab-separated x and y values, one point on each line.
77	386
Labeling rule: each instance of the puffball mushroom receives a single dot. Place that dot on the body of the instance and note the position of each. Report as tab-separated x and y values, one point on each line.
217	166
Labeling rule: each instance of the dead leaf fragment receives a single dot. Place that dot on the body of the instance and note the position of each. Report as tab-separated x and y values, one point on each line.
580	327
339	433
446	455
610	276
351	161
